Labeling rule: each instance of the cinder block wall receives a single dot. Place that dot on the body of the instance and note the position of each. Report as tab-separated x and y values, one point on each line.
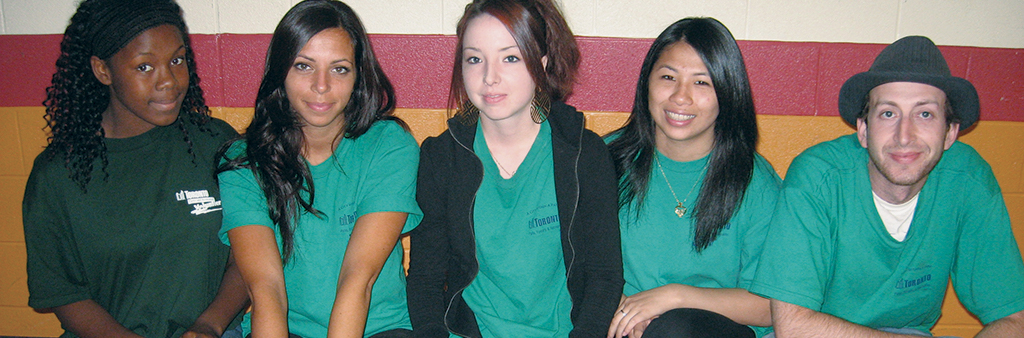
796	83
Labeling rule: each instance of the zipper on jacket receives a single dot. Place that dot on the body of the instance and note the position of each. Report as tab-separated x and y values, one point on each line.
472	231
572	222
575	208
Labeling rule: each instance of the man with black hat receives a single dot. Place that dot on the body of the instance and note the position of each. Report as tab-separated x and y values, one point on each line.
870	226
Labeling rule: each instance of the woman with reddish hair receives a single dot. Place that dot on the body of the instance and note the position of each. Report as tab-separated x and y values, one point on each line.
513	241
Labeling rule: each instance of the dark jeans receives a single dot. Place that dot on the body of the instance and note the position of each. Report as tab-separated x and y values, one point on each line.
695	323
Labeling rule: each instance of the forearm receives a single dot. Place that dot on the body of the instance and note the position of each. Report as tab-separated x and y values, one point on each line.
1009	326
269	311
597	309
428	257
259	264
737	304
603	287
351	306
599	237
88	319
373	239
231	298
793	321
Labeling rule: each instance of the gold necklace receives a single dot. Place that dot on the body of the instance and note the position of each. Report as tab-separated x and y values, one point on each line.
680	209
510	174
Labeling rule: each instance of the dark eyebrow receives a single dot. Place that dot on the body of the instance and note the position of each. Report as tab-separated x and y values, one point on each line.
182	46
677	71
916	104
500	50
332	62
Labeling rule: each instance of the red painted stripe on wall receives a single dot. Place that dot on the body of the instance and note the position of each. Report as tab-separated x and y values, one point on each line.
788	78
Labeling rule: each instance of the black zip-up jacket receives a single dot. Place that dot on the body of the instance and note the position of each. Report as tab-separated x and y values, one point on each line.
443	250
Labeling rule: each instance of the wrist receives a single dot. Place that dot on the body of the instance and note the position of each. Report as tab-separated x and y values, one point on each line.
683	296
205	327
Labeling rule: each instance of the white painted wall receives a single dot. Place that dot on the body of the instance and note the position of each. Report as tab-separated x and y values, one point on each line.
983	23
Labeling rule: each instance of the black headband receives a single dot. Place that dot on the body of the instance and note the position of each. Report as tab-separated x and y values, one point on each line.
116	22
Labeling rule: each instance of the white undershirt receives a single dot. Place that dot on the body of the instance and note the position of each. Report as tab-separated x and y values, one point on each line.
896	217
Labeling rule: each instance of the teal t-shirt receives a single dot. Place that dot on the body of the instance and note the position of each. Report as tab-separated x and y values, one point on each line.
375	172
657	244
827	249
520	290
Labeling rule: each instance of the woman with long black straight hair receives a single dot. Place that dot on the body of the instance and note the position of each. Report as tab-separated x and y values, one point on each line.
695	197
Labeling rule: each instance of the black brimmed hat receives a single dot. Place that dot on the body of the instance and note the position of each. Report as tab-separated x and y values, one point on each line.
910	59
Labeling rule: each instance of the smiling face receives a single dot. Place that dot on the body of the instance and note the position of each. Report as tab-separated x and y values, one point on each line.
905	133
494	72
683	103
320	81
148	79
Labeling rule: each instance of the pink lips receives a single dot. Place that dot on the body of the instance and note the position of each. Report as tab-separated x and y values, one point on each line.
320	107
493	98
166	105
674	122
904	157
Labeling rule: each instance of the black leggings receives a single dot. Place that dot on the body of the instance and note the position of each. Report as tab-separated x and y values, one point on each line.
695	323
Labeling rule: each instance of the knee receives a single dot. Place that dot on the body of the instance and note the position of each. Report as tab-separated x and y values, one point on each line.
695	323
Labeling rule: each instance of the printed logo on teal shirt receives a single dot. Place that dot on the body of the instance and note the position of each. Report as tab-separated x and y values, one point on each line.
915	279
542	224
347	220
347	216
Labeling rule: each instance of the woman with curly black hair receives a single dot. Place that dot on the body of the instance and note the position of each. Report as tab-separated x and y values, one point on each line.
322	184
121	210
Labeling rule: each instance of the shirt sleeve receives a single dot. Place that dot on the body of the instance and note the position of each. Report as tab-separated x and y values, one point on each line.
987	272
797	257
390	183
761	200
56	275
243	200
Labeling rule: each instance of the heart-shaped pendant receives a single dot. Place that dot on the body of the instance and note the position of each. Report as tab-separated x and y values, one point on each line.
680	210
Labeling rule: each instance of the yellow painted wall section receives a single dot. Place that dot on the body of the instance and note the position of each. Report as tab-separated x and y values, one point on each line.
783	137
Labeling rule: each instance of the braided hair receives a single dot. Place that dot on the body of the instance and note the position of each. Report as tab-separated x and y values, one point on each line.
75	100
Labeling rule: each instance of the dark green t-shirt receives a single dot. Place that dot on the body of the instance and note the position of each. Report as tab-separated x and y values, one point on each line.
142	243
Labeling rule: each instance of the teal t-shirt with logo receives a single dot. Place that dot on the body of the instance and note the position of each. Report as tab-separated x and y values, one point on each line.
375	172
520	290
657	244
829	251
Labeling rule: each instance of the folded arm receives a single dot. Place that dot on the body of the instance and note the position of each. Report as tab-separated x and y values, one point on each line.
797	321
597	234
1009	326
429	245
87	319
737	304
